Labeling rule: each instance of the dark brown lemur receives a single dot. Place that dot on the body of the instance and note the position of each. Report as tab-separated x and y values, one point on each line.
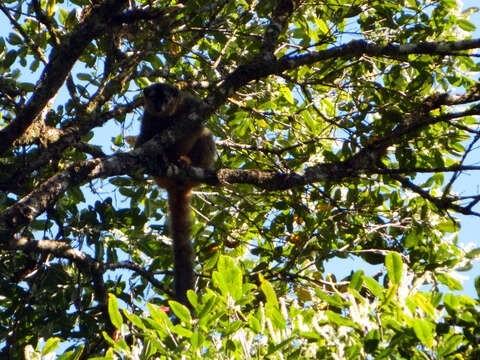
165	105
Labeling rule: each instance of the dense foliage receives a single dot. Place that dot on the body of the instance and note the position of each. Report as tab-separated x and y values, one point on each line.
342	129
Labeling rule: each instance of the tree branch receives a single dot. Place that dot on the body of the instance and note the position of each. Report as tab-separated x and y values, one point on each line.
444	203
88	264
277	24
260	68
147	160
61	61
69	138
35	203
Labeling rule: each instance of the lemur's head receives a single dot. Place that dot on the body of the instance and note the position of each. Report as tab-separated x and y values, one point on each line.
161	99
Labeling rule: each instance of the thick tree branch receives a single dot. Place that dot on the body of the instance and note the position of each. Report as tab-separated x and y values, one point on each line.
61	61
436	100
261	68
88	117
35	203
90	267
369	155
56	248
70	138
141	159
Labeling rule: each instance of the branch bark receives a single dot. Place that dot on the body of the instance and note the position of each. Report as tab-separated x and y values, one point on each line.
146	160
61	61
260	68
64	251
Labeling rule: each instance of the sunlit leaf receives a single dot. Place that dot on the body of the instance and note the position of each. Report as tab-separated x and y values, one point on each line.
424	332
113	312
181	311
394	265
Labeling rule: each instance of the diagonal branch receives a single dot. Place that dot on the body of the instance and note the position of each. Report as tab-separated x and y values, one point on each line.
61	61
146	160
260	68
83	261
54	151
443	204
437	100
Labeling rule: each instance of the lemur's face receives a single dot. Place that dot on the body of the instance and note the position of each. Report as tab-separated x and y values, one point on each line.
161	99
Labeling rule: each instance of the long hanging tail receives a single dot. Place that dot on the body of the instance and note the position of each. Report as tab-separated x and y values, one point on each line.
180	227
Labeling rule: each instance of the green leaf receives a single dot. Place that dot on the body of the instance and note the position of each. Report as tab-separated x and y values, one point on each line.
76	194
451	301
229	278
423	301
278	347
448	226
274	314
424	332
108	338
196	340
149	349
373	286
121	181
63	16
10	58
339	319
371	341
28	87
356	281
50	7
287	94
14	39
394	265
72	355
310	123
193	298
181	311
269	293
449	345
209	302
332	300
50	345
466	25
473	254
255	324
452	283
113	311
134	319
211	261
158	315
180	330
303	294
477	286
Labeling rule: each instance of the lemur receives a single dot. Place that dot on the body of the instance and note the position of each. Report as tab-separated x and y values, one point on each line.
164	105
